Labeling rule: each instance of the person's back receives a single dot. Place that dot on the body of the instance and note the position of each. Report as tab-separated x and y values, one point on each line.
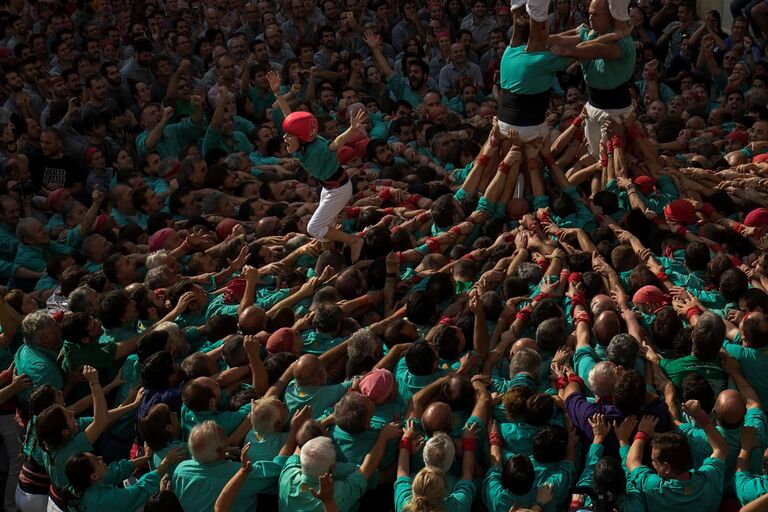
295	495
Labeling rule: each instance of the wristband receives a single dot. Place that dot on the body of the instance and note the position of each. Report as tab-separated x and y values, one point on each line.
423	217
432	244
469	444
456	230
389	211
503	167
495	439
446	320
400	257
575	505
578	299
575	378
736	261
657	220
524	314
574	277
561	382
738	227
352	211
542	264
577	121
634	132
385	194
707	209
715	248
618	142
405	443
692	312
609	146
681	231
582	317
661	276
186	246
604	160
413	200
642	436
482	159
550	160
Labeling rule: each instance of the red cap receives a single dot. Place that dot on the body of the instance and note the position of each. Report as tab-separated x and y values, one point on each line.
301	124
224	228
282	340
377	385
157	240
759	159
739	136
89	154
345	154
645	184
757	218
235	290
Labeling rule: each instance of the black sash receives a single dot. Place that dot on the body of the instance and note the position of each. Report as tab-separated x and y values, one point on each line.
523	109
617	98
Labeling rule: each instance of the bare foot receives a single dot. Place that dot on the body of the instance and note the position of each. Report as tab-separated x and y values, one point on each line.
495	136
355	247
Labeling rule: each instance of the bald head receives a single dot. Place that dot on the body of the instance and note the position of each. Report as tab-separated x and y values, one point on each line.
437	417
309	371
730	408
267	226
607	325
601	302
252	320
524	343
599	16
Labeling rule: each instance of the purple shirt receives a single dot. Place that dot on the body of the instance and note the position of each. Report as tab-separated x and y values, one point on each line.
580	410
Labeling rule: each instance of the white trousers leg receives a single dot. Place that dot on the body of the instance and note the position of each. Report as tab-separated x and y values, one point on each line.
331	203
31	502
594	126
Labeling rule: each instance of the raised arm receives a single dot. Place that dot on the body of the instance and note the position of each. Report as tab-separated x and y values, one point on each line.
716	440
100	409
374	43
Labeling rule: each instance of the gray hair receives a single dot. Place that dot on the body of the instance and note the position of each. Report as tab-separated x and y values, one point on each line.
317	456
81	300
440	451
265	412
525	360
33	324
156	259
351	412
529	272
623	350
363	343
175	337
159	277
207	442
602	378
24	227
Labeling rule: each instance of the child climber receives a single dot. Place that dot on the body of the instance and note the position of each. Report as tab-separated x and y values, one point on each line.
318	156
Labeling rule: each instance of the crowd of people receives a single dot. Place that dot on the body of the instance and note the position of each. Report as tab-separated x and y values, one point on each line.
394	255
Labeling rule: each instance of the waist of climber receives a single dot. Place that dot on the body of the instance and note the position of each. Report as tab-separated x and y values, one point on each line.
337	180
523	109
616	98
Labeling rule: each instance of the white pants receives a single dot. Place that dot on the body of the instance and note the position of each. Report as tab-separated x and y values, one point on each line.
332	201
619	9
52	507
526	133
594	126
31	502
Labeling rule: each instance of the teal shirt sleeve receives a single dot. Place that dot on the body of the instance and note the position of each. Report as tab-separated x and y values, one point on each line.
584	359
348	490
749	487
593	457
460	499
403	493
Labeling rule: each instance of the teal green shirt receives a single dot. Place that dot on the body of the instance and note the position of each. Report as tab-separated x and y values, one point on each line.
55	461
39	365
214	139
677	369
560	474
117	334
354	447
175	137
459	500
702	492
265	446
410	384
609	74
318	159
754	366
749	487
159	455
99	355
217	306
123	220
199	485
295	495
529	73
228	420
518	438
318	342
320	397
387	412
402	90
36	258
498	499
632	501
106	495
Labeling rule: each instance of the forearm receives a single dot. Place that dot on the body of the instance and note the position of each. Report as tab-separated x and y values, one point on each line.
341	139
372	460
154	136
635	455
404	462
226	498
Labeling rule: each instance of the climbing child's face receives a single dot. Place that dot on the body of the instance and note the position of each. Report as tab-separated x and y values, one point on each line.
291	142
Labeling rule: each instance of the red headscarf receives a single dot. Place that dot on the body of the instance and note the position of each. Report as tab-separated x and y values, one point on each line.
646	184
235	290
650	294
680	211
757	218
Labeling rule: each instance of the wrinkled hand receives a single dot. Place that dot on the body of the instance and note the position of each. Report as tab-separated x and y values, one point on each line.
625	429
